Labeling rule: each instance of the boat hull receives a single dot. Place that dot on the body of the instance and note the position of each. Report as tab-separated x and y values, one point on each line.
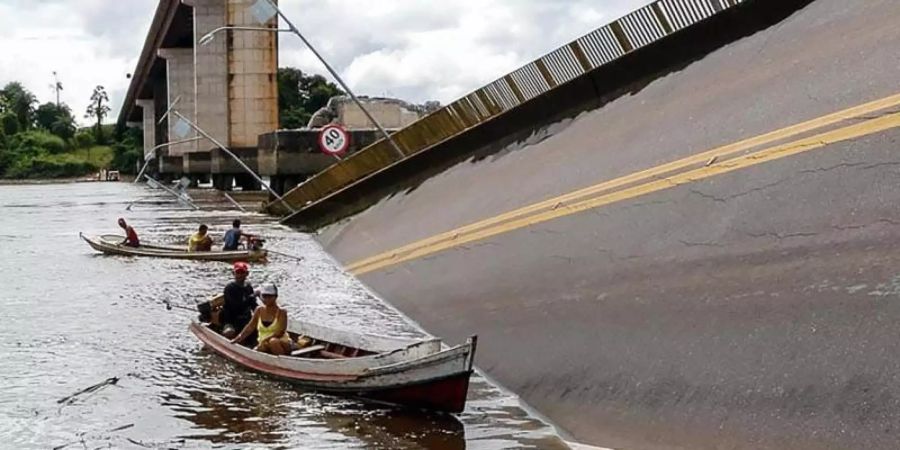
155	251
436	380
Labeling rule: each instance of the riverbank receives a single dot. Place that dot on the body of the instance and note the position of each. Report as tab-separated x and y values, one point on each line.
40	181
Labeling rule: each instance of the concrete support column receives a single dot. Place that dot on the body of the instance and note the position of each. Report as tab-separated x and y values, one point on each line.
252	75
211	71
160	102
180	83
223	182
149	125
284	183
247	182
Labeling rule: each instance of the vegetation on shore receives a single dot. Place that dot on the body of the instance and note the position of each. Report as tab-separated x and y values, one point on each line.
301	95
43	141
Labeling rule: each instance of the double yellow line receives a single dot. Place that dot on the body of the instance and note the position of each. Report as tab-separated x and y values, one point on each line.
663	177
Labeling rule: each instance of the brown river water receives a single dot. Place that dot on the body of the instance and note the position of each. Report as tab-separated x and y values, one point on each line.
73	319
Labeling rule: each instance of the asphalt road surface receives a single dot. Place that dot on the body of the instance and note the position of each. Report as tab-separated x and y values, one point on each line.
748	297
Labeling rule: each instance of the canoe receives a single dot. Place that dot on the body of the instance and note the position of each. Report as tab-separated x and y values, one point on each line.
402	372
110	244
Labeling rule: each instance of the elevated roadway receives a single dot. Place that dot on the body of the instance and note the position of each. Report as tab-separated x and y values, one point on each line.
708	260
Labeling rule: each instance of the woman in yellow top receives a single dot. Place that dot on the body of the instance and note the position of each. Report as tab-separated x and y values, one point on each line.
270	322
200	242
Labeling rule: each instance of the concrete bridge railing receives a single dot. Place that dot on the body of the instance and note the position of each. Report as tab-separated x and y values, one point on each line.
596	49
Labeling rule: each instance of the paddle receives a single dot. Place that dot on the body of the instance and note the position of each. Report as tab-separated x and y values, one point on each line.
169	306
298	258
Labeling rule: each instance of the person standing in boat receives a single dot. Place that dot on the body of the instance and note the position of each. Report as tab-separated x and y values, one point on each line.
234	235
131	237
270	323
200	241
239	302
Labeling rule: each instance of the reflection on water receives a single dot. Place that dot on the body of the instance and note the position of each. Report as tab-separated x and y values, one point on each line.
73	318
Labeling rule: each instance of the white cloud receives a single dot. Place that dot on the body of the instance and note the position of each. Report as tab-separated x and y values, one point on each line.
422	50
413	49
87	42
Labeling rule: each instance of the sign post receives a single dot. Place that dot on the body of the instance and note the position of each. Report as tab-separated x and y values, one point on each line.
334	140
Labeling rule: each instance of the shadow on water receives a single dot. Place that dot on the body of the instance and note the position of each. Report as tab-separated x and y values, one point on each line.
244	407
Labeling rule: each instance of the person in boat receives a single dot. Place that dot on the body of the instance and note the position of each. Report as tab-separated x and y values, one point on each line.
200	241
270	323
234	235
239	302
131	237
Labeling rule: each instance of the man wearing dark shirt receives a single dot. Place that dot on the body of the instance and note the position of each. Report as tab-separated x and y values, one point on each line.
240	302
233	236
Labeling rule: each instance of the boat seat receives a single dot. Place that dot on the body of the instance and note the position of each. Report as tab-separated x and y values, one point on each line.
308	350
332	355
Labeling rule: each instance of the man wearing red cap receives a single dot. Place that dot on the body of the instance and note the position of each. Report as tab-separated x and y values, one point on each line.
240	302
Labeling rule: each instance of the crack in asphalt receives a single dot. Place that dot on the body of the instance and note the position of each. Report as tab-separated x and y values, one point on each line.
700	244
738	195
859	165
867	225
780	236
564	258
830	168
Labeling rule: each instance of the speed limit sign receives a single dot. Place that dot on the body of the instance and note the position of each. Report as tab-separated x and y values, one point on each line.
334	140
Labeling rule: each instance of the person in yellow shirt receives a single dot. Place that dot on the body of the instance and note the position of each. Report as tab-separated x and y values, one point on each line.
200	242
270	321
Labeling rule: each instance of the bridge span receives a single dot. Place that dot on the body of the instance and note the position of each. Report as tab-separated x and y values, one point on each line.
704	258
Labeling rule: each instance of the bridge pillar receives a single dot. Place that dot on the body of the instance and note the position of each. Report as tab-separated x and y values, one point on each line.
211	70
223	182
149	125
228	86
252	75
180	84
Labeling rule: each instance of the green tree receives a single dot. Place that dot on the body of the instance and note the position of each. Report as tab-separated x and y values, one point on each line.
301	95
20	102
9	123
84	139
56	119
98	109
127	149
23	149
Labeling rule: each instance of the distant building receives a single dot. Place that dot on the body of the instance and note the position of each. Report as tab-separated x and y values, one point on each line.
391	113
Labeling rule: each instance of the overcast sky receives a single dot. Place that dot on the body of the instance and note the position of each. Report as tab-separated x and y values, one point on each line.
416	50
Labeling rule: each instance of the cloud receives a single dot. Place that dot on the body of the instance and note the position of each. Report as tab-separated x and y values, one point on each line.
413	49
87	42
422	50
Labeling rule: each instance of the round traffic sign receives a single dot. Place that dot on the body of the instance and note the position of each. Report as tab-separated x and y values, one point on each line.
334	140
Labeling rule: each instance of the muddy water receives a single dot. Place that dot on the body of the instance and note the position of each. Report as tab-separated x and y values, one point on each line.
73	319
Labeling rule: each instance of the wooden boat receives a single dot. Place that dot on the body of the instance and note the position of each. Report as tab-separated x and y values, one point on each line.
404	372
110	244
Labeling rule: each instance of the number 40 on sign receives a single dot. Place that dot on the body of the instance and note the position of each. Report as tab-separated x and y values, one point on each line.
334	140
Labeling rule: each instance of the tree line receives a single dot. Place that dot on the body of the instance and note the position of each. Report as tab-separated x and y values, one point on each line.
44	140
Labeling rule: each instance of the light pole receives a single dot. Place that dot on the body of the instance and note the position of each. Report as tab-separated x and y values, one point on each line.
153	153
208	37
171	111
229	153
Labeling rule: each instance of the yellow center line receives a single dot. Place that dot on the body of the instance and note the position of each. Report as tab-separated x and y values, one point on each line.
655	172
762	156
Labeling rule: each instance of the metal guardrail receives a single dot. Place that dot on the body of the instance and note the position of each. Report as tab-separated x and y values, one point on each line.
635	30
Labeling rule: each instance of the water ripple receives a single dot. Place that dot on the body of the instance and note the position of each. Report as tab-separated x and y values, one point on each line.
75	318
